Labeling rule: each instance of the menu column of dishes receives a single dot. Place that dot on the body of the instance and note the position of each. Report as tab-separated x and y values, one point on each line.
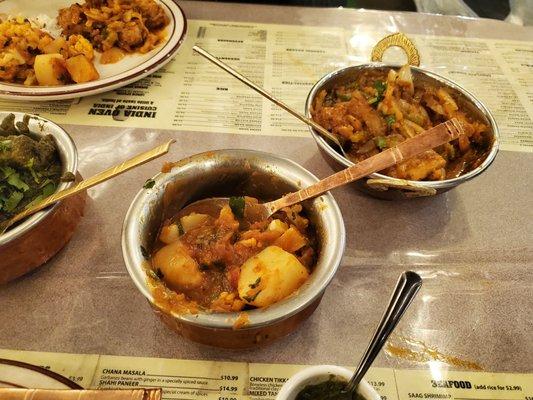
221	380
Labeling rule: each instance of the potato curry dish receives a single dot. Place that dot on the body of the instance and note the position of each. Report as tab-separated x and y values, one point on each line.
380	109
222	263
31	54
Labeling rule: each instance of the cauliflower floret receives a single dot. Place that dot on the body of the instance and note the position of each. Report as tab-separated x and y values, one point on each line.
77	45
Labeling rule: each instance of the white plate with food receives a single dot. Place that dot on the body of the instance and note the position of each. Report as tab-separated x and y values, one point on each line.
60	49
16	374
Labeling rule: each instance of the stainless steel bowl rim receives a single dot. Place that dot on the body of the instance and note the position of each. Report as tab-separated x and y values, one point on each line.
447	183
69	159
134	259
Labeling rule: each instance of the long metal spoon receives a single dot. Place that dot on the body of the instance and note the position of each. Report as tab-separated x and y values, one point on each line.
406	289
427	140
88	183
323	132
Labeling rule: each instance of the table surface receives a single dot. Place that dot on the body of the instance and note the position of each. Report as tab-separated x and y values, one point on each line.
473	245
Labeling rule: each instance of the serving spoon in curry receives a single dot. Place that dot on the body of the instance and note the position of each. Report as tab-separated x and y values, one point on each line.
434	137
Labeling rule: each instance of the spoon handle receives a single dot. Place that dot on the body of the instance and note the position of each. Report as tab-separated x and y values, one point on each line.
94	180
405	291
427	140
264	93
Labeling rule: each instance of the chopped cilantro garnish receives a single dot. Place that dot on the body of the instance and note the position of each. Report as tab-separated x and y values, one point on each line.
218	264
36	175
380	87
6	171
390	119
145	252
345	96
251	298
5	145
381	142
152	274
14	179
255	284
181	231
149	184
237	206
12	201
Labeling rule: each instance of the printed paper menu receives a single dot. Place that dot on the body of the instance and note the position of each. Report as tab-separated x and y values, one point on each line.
218	380
191	94
498	72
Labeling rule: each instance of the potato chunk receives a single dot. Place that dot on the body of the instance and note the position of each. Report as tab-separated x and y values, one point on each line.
50	69
192	221
55	46
277	225
169	234
418	167
270	276
291	240
81	69
179	269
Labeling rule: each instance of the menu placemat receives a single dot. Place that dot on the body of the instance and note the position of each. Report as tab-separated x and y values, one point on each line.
192	94
220	380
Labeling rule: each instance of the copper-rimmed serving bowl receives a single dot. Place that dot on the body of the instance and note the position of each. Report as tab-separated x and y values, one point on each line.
32	242
227	173
383	186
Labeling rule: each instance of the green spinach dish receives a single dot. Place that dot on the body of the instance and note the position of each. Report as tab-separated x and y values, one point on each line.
30	167
332	389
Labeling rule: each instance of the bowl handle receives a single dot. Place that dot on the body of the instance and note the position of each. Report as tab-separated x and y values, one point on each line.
409	189
399	40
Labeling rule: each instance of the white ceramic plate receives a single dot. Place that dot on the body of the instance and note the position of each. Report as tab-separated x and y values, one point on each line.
130	69
16	374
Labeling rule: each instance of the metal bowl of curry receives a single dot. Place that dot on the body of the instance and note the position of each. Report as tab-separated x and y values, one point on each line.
374	106
360	105
37	158
214	309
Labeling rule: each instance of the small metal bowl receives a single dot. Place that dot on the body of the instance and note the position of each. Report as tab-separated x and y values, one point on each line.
36	239
233	173
383	186
321	373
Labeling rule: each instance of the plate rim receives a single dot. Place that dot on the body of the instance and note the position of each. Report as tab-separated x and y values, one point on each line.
70	91
47	372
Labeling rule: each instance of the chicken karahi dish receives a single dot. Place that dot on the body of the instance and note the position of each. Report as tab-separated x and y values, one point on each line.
380	109
49	53
217	262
